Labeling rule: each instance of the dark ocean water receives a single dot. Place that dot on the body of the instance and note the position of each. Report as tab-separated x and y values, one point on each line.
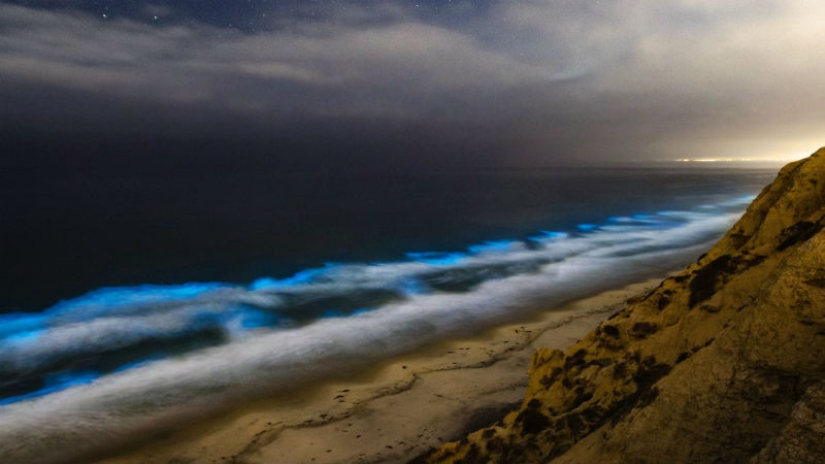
139	298
65	233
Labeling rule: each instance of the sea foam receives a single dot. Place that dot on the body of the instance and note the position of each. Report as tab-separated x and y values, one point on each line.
121	361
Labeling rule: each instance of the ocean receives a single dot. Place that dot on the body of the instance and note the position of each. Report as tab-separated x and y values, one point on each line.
139	299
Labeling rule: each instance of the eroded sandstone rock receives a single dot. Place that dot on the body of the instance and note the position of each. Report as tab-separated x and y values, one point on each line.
712	366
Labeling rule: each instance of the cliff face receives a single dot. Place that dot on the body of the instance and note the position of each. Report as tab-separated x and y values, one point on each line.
724	362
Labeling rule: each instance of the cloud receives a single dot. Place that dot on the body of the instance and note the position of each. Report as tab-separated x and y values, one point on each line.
689	71
555	75
381	69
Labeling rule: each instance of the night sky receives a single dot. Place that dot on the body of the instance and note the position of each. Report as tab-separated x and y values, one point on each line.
403	85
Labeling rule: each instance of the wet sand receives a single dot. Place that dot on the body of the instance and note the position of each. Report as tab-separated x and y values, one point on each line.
393	412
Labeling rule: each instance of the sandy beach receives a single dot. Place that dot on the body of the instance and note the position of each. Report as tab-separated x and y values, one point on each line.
393	412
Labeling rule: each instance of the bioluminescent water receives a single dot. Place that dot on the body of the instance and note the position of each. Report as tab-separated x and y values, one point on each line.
116	360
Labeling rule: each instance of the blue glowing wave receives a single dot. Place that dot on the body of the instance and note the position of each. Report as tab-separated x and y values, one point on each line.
118	361
112	330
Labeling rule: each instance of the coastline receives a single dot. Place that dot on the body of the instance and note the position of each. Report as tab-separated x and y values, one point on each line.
392	412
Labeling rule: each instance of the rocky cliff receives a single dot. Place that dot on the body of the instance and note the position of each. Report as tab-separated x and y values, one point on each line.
724	362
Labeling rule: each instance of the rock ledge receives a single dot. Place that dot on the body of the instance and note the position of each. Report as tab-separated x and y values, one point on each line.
721	363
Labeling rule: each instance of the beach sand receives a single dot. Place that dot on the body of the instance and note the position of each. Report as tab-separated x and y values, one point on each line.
393	412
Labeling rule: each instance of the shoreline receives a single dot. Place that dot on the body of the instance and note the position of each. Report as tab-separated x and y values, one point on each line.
394	411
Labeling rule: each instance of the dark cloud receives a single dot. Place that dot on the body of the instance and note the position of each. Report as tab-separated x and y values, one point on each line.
512	83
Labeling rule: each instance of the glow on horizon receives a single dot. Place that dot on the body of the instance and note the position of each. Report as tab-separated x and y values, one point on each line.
709	160
743	152
784	159
735	160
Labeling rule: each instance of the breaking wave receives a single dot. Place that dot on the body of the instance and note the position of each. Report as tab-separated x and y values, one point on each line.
117	361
